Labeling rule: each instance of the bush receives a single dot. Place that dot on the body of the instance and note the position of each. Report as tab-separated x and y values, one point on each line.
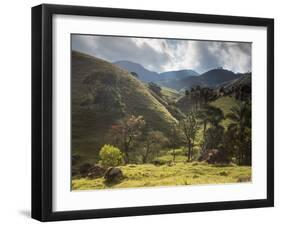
110	156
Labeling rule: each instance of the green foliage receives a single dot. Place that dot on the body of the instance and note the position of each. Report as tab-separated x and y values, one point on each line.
110	156
151	142
189	127
239	131
134	74
155	88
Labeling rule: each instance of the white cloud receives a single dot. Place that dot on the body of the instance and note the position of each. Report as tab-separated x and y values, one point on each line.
166	54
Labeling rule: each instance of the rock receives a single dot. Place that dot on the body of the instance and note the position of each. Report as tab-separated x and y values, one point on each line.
83	169
113	174
213	156
96	171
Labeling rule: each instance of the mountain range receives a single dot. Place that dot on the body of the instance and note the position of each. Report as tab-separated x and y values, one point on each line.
180	79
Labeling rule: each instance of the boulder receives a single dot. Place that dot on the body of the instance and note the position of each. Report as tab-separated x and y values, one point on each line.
213	156
113	174
84	168
96	171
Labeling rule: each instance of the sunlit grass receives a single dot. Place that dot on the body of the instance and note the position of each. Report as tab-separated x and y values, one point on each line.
181	173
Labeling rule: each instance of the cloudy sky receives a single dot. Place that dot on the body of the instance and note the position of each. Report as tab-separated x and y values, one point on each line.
167	54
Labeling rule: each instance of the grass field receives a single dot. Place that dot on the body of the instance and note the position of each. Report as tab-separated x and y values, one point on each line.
148	175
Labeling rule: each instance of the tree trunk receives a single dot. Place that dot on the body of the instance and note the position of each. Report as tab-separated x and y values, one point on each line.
174	155
126	155
189	150
146	153
204	129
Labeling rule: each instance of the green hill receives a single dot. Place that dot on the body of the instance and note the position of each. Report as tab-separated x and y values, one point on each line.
170	94
225	104
102	94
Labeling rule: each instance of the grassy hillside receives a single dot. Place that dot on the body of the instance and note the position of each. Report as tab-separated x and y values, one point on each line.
102	94
225	104
184	104
170	94
244	79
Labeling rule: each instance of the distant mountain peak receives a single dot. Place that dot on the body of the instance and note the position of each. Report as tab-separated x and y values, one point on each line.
144	74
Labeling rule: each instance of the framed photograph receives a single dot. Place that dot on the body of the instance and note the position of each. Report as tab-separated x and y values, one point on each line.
145	112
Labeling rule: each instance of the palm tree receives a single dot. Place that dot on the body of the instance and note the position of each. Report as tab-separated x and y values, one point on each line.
240	117
211	116
216	115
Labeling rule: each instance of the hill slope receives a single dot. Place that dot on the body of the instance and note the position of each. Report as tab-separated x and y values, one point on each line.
177	74
144	74
244	79
173	79
210	78
102	94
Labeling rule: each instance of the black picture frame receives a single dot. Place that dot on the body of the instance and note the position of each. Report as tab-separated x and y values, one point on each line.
42	111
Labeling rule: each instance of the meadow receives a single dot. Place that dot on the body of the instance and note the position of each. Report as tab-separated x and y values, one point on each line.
168	174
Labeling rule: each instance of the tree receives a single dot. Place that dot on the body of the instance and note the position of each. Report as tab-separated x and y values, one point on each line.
127	131
206	95
216	115
110	156
230	143
211	116
189	127
174	139
102	92
240	126
152	142
134	74
155	88
214	137
197	97
222	91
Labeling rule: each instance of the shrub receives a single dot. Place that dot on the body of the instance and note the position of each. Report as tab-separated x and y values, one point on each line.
110	156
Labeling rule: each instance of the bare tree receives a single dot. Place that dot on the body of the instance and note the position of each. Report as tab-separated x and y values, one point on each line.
127	131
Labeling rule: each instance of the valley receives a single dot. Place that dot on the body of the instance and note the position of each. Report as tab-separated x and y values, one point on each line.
157	129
